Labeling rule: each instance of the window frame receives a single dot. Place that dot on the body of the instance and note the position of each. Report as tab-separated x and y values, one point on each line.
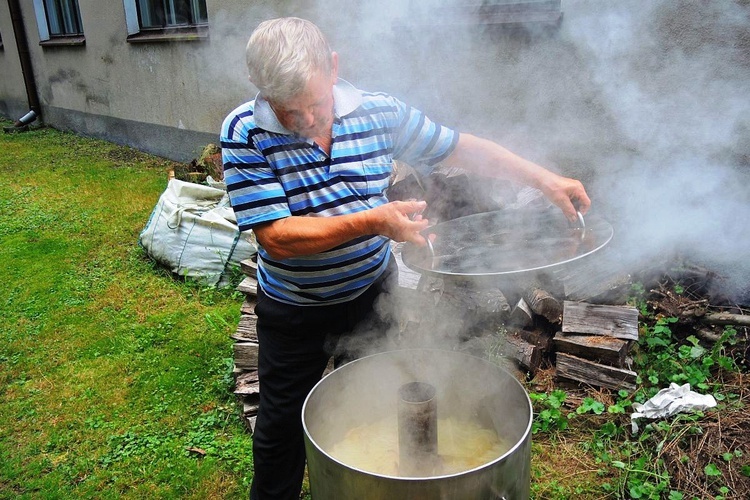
181	33
46	38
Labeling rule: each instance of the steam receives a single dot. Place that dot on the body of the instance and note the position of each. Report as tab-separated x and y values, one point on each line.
676	80
645	102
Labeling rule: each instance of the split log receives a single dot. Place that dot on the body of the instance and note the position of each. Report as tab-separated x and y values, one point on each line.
612	321
544	304
246	329
249	268
250	423
247	384
248	306
585	371
599	280
246	355
540	338
483	309
248	286
521	315
528	355
250	404
597	348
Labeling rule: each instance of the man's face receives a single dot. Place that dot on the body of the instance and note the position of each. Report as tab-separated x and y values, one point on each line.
309	114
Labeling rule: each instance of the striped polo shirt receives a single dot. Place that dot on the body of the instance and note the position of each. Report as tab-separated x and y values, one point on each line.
272	173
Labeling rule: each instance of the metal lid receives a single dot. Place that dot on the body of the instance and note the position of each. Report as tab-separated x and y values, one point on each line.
506	242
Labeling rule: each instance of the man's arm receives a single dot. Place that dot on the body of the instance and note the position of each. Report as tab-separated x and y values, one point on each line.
296	236
487	158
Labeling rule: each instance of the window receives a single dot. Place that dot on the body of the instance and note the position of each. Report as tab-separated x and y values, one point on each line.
59	22
63	17
153	20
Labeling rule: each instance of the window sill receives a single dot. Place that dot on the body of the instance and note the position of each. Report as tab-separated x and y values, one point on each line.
187	34
64	41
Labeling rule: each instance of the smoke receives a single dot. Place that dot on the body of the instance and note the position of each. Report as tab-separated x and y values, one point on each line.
675	78
645	102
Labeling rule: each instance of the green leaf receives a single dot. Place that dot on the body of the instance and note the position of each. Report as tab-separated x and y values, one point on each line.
711	470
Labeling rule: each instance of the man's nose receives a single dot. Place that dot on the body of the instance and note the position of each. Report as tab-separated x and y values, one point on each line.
307	119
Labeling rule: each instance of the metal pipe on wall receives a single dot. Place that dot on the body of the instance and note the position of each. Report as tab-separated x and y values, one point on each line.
27	70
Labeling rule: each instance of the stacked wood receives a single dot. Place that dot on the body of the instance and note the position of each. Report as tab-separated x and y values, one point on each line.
247	385
476	310
603	280
593	346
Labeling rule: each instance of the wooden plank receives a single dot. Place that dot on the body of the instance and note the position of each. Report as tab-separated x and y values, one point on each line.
588	372
248	286
600	279
607	350
246	329
613	321
246	355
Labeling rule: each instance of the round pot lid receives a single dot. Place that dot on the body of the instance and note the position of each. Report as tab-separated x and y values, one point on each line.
506	242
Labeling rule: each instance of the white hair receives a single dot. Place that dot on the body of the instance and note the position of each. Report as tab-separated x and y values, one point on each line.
284	54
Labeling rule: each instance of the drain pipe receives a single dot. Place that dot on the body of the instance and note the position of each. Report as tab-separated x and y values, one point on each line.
27	70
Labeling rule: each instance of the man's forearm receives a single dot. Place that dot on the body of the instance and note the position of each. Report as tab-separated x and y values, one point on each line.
296	236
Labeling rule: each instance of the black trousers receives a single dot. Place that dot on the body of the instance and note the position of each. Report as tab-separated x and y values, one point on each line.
296	343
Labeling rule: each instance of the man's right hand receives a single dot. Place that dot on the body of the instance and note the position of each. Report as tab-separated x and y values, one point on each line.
401	221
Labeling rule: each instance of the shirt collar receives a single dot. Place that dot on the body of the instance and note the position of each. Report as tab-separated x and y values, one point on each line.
346	98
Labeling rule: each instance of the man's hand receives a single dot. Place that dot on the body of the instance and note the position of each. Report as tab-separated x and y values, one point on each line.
401	220
568	194
492	160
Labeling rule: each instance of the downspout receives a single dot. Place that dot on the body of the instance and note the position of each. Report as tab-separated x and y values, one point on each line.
19	30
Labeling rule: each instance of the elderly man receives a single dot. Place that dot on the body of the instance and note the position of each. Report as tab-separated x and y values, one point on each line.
307	163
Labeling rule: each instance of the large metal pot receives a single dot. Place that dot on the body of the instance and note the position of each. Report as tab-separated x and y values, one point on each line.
467	387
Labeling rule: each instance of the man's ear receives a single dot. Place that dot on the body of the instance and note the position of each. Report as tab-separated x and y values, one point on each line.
334	66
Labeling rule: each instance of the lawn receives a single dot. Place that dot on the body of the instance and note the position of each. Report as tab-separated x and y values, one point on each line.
111	370
116	378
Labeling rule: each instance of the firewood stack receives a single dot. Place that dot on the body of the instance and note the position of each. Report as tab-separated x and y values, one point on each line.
587	341
247	387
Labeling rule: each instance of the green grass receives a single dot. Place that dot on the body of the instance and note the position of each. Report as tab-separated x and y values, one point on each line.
111	371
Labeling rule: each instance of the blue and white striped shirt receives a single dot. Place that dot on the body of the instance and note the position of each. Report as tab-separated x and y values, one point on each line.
272	173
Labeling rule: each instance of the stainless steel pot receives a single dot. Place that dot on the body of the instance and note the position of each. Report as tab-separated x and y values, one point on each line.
467	387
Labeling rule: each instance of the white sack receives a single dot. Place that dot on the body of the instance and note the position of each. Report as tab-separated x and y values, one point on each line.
667	402
193	231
